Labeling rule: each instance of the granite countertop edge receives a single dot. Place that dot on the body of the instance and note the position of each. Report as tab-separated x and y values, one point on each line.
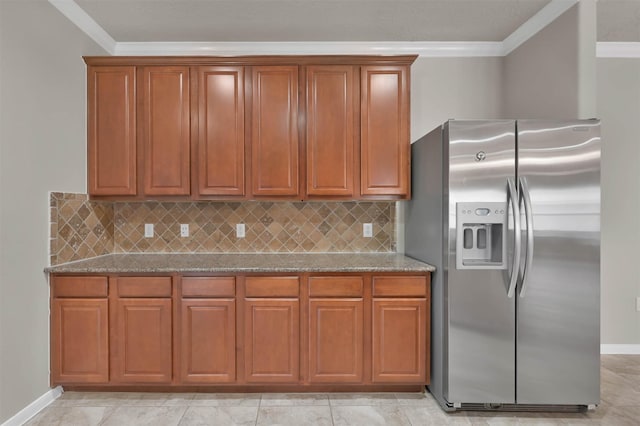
242	263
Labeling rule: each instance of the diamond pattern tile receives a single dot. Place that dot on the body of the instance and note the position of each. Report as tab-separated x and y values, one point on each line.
270	226
81	228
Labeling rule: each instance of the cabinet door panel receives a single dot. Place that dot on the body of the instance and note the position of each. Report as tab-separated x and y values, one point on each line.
166	130
111	130
79	341
330	130
385	144
272	340
335	340
141	341
221	138
208	341
399	340
274	133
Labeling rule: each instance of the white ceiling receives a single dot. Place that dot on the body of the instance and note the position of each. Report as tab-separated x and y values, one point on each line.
426	27
310	20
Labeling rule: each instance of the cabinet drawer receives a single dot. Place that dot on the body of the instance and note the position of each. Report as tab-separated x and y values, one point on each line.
399	286
271	286
144	286
80	287
208	287
335	286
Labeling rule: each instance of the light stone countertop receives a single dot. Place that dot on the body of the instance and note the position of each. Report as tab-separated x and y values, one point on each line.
243	263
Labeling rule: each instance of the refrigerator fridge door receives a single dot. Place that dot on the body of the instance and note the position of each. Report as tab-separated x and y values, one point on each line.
558	331
480	362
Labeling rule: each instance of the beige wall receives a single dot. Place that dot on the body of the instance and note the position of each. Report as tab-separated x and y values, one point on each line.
42	135
462	88
552	75
444	88
619	109
42	148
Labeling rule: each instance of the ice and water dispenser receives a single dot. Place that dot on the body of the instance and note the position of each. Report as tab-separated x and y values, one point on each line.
481	235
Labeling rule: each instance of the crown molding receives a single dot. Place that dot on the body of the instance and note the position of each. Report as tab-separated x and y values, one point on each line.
424	49
537	22
611	49
620	349
546	15
86	23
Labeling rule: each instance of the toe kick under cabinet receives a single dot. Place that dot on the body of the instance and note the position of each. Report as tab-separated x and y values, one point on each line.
289	332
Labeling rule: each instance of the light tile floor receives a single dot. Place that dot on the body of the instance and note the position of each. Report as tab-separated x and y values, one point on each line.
620	405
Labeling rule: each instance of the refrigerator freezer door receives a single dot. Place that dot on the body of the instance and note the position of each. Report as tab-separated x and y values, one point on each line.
480	362
558	331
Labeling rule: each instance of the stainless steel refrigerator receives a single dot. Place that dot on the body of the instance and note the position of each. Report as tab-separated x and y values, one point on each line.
509	213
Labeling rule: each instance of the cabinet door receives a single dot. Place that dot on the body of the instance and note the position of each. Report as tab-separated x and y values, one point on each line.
208	341
384	144
272	340
141	341
330	130
111	130
335	340
165	130
79	341
274	131
399	337
221	139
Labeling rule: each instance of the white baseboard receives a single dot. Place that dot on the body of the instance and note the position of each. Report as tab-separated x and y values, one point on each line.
34	408
608	349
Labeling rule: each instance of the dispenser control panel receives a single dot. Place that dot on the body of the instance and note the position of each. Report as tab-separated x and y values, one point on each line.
481	235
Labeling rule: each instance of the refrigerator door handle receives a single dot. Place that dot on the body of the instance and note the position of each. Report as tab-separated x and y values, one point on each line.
528	213
513	198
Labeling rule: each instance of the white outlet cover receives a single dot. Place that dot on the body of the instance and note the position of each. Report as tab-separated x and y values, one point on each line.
148	230
638	304
184	229
367	230
240	230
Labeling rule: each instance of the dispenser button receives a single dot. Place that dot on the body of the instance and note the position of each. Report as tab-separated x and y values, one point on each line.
483	212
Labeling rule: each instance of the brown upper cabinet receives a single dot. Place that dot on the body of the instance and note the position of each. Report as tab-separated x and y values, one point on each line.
221	131
274	131
384	142
281	127
111	128
164	129
330	130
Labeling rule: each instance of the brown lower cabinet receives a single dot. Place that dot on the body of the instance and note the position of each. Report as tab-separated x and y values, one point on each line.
207	338
140	344
298	330
79	330
80	345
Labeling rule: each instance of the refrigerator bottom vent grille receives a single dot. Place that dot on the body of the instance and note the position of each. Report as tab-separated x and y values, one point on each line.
524	407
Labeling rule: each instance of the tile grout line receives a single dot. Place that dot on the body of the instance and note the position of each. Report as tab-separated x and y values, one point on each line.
183	414
104	420
333	422
258	412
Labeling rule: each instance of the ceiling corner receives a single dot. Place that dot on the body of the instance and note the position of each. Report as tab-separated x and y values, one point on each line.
536	23
86	23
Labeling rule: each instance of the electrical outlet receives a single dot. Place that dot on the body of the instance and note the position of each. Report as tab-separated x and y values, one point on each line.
638	304
240	230
148	230
184	229
367	230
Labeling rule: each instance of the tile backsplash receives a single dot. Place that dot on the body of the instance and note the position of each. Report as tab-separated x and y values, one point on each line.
81	228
